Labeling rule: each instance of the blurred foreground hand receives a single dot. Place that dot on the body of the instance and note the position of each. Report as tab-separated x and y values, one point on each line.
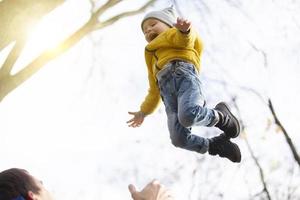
152	191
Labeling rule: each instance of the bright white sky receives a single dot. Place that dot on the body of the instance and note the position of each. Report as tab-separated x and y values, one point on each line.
67	123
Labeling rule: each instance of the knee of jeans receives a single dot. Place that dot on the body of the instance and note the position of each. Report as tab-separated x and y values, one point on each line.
186	118
178	141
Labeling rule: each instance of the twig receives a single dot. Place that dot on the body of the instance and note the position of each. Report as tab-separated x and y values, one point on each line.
261	172
122	15
286	135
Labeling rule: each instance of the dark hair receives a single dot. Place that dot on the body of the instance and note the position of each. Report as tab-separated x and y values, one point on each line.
16	182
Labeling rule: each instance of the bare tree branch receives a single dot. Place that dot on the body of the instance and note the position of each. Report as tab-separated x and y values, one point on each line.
276	120
12	57
122	15
261	172
286	135
262	52
15	80
103	8
10	82
270	105
93	5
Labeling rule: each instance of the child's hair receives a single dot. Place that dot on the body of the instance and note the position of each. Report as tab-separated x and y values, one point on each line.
16	183
166	15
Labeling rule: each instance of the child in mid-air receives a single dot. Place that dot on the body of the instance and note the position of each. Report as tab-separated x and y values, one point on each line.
173	61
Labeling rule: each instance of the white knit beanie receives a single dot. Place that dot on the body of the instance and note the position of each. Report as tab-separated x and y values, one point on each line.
166	15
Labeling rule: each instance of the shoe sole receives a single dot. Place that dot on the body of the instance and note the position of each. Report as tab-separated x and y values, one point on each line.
238	123
239	157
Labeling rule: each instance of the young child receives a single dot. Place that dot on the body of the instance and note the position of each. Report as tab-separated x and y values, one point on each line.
173	61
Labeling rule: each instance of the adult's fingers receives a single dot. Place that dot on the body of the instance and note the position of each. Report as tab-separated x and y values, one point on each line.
154	182
132	190
166	193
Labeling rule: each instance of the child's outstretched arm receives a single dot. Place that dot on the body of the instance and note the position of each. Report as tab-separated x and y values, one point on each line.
137	120
186	35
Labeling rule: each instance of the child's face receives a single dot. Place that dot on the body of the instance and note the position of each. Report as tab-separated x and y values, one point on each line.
152	28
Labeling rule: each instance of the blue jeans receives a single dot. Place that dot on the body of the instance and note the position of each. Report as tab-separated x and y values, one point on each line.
180	89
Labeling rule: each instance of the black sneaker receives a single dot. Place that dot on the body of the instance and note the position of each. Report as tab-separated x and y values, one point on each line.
222	146
227	121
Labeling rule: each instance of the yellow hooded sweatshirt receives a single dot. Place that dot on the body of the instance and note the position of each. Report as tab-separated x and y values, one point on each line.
167	46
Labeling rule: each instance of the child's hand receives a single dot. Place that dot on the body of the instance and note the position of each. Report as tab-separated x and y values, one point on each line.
183	25
137	120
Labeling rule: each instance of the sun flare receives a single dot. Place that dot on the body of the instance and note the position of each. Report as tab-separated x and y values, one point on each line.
46	35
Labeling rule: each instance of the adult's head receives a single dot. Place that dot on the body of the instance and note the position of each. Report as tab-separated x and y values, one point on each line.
19	184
